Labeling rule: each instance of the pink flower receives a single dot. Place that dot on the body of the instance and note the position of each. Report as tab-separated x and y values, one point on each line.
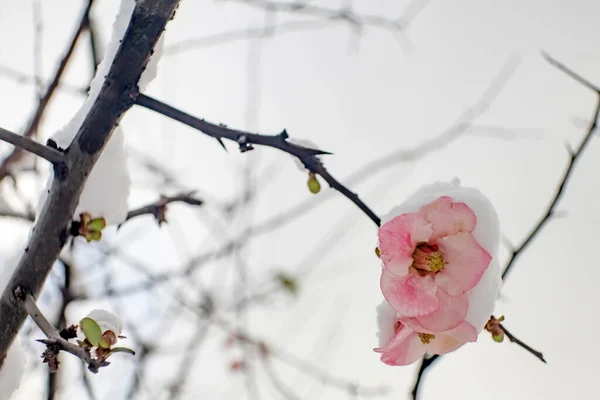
440	277
430	261
401	345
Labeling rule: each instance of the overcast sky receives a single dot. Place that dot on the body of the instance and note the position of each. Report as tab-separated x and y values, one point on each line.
360	97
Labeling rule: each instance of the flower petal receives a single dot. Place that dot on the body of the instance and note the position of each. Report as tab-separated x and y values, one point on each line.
465	332
448	217
442	344
411	295
398	239
466	261
404	348
450	313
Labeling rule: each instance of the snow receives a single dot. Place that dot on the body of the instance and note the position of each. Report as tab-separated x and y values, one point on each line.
106	320
304	143
12	371
106	191
386	319
482	298
15	362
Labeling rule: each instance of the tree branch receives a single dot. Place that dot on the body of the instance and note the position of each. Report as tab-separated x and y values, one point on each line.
573	157
32	126
31	146
516	340
53	335
246	140
158	208
116	96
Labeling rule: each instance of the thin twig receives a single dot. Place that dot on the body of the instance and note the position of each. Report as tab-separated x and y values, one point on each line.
573	157
246	140
158	208
515	340
31	146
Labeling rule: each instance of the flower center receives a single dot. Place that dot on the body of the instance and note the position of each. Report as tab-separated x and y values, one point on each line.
428	257
426	337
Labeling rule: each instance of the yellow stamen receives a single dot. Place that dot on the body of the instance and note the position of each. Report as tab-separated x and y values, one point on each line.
426	337
435	261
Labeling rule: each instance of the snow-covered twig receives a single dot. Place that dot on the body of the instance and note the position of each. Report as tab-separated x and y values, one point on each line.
113	99
54	340
246	140
24	143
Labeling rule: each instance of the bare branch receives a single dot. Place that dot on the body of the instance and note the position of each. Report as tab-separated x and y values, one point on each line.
246	140
570	72
516	340
573	157
158	208
31	146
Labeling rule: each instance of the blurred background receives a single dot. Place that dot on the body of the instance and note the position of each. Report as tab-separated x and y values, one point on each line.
267	291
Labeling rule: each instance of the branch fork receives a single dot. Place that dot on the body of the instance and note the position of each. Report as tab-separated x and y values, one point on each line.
54	341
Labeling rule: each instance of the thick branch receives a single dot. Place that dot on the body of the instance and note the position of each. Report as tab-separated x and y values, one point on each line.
246	140
116	96
24	143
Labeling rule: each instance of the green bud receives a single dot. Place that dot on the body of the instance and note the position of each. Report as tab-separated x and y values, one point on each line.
91	330
97	224
313	183
499	337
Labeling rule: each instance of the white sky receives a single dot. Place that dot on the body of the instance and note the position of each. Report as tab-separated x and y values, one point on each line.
359	98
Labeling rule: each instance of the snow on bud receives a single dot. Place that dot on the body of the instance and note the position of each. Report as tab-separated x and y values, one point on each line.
102	329
440	276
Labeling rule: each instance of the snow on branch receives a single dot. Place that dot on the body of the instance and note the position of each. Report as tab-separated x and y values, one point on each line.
116	95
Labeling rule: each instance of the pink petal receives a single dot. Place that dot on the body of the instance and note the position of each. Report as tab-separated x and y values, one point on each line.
465	332
450	313
442	344
466	262
405	348
411	295
448	218
398	239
